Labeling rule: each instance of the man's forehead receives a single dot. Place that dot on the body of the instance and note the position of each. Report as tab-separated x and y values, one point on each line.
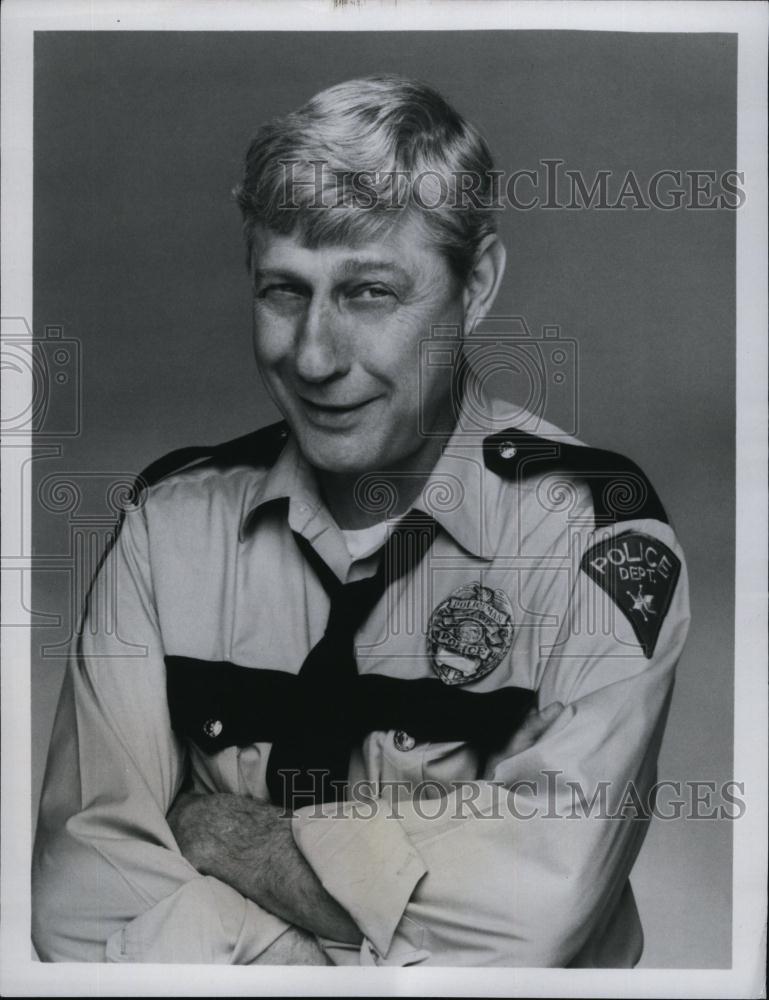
393	252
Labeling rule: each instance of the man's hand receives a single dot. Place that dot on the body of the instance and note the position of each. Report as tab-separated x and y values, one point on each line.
250	846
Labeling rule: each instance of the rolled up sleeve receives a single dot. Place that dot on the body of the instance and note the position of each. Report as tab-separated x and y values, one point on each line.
367	862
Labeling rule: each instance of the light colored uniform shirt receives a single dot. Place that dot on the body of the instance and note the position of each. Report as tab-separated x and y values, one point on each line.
207	567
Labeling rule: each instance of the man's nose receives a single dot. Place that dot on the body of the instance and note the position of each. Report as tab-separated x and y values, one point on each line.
321	349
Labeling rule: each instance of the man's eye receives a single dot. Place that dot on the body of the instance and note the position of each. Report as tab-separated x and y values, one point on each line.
283	290
369	293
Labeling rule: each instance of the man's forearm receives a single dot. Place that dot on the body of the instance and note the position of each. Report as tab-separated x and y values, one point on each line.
251	847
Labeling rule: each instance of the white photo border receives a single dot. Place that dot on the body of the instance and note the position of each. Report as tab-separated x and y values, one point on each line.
19	974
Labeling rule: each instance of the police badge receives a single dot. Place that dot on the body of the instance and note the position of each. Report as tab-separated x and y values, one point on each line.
469	633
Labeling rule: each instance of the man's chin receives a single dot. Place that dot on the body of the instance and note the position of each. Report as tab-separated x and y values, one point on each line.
340	454
347	465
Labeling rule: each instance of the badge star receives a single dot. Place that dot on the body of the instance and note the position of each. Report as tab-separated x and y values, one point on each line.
642	602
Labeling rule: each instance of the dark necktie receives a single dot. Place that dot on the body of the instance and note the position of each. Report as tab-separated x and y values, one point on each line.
312	765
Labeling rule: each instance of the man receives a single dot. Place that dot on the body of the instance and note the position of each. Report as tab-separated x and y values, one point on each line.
383	655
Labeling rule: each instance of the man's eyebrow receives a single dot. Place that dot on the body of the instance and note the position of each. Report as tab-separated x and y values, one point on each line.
348	268
354	265
260	273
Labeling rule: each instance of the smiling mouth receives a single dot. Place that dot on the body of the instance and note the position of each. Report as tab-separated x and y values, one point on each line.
335	408
330	416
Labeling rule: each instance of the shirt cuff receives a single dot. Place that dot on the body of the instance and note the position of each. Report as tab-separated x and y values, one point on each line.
367	863
204	921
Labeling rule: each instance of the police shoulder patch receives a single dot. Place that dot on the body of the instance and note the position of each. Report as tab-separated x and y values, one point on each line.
639	573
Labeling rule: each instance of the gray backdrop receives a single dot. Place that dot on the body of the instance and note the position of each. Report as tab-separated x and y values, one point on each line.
138	141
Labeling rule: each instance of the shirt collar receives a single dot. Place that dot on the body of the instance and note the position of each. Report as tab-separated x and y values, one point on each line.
289	478
453	494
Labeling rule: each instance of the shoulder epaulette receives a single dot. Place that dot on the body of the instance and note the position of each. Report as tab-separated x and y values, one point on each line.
259	448
620	490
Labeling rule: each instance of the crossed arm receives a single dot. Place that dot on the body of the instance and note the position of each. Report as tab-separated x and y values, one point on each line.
250	846
220	878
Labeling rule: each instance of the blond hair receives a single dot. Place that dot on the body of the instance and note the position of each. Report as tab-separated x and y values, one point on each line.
344	167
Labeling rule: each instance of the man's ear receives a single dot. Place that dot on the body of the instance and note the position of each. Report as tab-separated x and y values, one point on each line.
484	280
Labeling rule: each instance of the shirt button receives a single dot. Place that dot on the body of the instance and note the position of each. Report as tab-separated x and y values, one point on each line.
403	741
507	449
212	728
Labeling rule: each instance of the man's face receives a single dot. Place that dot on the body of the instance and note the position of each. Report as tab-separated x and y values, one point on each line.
337	331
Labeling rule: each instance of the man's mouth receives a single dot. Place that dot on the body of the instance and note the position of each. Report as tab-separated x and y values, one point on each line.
335	407
333	413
